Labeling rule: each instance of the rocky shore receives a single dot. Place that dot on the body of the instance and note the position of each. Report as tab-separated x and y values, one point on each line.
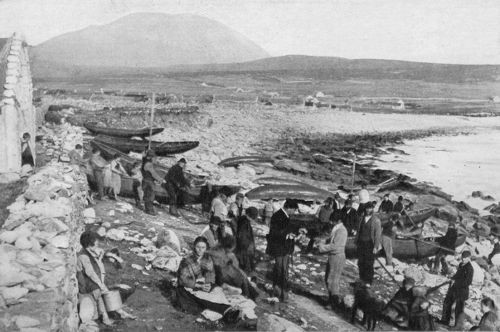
298	139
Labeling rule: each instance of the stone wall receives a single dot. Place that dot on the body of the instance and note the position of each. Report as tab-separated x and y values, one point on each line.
38	246
17	114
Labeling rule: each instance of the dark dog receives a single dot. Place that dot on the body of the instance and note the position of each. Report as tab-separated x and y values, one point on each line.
364	300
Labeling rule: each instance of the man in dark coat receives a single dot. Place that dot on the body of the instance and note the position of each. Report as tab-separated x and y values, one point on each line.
349	217
448	243
280	246
245	243
368	241
399	207
402	300
175	182
496	248
149	176
458	292
386	206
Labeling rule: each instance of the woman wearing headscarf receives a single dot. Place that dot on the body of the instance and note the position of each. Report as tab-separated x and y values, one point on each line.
196	281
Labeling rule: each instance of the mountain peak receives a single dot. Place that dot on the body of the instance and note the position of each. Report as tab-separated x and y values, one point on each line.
145	40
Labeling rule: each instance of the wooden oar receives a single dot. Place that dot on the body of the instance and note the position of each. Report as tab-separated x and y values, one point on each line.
151	121
427	242
389	273
435	288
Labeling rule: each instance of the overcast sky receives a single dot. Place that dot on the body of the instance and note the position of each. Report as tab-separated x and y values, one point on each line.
447	31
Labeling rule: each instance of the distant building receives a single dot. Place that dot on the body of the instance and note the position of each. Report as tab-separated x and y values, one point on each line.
400	105
320	94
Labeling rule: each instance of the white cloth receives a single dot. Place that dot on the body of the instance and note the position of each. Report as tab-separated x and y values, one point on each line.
364	196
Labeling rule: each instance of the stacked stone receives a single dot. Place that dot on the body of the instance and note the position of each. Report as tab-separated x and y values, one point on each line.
17	111
38	246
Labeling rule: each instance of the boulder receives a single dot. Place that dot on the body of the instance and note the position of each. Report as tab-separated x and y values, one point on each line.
60	241
415	273
25	321
167	259
115	234
51	225
447	213
28	257
23	243
12	294
271	322
170	239
478	276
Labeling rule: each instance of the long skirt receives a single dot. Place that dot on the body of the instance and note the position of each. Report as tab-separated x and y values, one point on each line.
116	183
194	302
107	177
334	268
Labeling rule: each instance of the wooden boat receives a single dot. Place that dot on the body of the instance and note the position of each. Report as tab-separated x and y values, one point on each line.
298	191
276	181
406	248
411	217
161	148
95	129
235	161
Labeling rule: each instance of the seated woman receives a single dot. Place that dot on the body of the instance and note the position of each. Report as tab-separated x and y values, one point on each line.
402	300
420	319
227	268
90	274
195	283
489	321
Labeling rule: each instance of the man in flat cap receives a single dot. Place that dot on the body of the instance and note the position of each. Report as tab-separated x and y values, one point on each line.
368	241
175	182
149	176
280	246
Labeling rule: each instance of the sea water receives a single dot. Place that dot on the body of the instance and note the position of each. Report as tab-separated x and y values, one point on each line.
458	165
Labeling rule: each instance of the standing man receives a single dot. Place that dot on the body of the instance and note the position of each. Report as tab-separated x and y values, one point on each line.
335	247
399	207
175	181
496	248
26	153
236	210
368	241
336	204
349	217
364	199
447	242
149	176
245	242
324	214
98	164
75	156
388	235
458	292
280	246
386	206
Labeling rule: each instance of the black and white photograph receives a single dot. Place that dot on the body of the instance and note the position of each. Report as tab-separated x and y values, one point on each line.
249	165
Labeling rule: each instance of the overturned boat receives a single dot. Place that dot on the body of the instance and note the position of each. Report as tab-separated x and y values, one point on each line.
96	129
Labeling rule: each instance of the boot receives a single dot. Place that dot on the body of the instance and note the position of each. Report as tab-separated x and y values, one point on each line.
284	296
173	211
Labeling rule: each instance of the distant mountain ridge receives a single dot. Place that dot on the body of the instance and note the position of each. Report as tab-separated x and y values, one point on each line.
147	40
343	68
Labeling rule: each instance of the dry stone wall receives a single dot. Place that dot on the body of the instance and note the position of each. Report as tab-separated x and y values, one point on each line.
38	246
17	114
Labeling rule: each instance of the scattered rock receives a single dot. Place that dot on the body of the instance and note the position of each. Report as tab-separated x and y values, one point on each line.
271	322
25	321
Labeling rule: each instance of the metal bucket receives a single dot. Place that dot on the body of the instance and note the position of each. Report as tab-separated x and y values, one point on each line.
112	300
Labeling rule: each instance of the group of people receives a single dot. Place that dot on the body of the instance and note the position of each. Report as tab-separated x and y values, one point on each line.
224	253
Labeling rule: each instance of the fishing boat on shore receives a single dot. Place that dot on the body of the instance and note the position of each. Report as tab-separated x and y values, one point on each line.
96	129
161	148
235	161
411	217
406	248
303	192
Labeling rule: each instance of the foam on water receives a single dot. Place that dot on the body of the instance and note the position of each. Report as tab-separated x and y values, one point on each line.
457	164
